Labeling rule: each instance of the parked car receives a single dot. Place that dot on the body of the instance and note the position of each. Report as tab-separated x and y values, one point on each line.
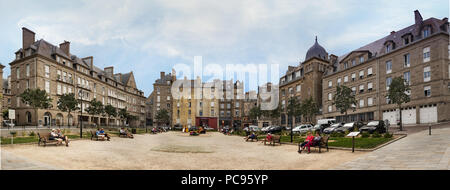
320	127
264	129
350	127
373	126
8	123
302	128
193	128
274	129
326	121
208	128
177	127
332	128
252	128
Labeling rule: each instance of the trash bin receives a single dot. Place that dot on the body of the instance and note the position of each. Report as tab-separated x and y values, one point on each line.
133	130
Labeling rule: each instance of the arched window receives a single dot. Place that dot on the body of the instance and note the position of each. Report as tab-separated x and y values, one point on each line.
28	116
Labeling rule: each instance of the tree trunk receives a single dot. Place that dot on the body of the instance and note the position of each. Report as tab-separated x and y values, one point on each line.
401	123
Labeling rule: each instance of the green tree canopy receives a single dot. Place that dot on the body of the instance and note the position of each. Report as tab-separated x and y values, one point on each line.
397	93
294	107
162	116
344	99
68	103
255	113
95	107
110	111
309	108
36	98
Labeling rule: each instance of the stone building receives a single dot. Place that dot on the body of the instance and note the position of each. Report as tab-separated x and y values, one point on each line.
184	105
418	53
161	97
2	93
39	64
6	93
249	102
304	81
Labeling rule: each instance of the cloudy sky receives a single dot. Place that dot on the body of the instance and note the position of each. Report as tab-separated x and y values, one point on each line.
149	36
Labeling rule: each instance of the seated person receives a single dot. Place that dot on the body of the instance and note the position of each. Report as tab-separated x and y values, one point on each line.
62	137
54	136
308	141
269	137
103	134
317	139
154	130
251	136
125	132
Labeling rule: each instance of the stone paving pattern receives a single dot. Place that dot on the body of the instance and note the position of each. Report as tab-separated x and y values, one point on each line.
417	151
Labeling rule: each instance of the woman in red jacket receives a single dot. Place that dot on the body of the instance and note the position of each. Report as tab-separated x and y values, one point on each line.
308	141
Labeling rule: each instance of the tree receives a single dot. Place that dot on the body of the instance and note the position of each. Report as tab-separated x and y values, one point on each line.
110	111
162	116
5	114
36	98
95	107
344	99
397	93
293	109
68	103
309	108
255	113
123	114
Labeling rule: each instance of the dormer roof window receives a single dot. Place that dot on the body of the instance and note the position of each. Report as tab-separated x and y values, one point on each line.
426	31
407	38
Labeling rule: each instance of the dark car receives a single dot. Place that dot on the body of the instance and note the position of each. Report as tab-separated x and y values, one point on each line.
320	127
332	128
350	127
193	128
275	129
177	127
373	126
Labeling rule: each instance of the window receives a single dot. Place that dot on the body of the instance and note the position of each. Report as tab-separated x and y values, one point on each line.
345	65
47	71
426	54
58	74
388	82
168	98
388	67
406	40
289	77
283	102
299	88
361	88
369	71
212	104
353	62
406	60
426	32
361	103
346	79
353	90
64	90
407	77
58	89
426	74
361	74
237	104
369	86
369	101
18	72
28	70
330	96
47	86
353	77
361	59
330	84
427	91
291	91
339	81
330	108
158	99
388	48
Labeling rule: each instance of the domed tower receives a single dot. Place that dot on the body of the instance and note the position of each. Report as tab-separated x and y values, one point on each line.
316	51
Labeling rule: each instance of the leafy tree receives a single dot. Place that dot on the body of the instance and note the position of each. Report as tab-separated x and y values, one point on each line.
36	98
293	109
5	114
68	103
95	107
255	113
397	94
123	114
309	108
344	99
275	114
162	116
110	111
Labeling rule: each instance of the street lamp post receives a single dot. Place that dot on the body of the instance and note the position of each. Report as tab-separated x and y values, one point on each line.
80	94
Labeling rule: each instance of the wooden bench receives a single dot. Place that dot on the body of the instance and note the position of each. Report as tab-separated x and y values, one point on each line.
323	144
95	136
256	138
45	138
275	139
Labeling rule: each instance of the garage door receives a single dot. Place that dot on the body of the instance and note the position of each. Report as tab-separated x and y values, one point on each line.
391	115
409	115
428	114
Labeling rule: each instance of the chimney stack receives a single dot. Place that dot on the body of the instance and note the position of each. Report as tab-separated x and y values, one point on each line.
393	32
418	18
28	38
109	71
65	47
162	74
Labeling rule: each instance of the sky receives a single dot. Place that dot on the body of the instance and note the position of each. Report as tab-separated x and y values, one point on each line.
150	36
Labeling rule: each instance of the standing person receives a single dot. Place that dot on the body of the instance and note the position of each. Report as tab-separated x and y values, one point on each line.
62	137
309	139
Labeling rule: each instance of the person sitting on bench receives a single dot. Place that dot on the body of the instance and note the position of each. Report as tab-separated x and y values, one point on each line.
269	137
101	133
308	141
54	136
154	130
251	136
62	137
125	132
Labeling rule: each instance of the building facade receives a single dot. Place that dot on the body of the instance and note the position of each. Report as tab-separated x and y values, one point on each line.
161	98
39	64
418	53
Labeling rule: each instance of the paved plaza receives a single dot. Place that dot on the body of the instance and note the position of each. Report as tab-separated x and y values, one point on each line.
418	151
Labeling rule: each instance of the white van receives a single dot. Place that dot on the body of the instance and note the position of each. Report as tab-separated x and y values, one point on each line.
326	121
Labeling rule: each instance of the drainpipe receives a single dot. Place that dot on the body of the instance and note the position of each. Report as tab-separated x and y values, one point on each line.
379	113
35	86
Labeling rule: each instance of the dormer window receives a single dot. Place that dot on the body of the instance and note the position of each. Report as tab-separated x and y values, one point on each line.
388	48
426	32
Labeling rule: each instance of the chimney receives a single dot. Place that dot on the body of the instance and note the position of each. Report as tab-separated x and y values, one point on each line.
418	17
90	61
162	75
65	47
393	32
109	71
27	38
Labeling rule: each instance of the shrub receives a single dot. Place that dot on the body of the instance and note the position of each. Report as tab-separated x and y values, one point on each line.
365	135
13	133
376	134
388	135
24	133
32	134
340	134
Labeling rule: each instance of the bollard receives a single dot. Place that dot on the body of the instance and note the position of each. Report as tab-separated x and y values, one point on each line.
429	129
